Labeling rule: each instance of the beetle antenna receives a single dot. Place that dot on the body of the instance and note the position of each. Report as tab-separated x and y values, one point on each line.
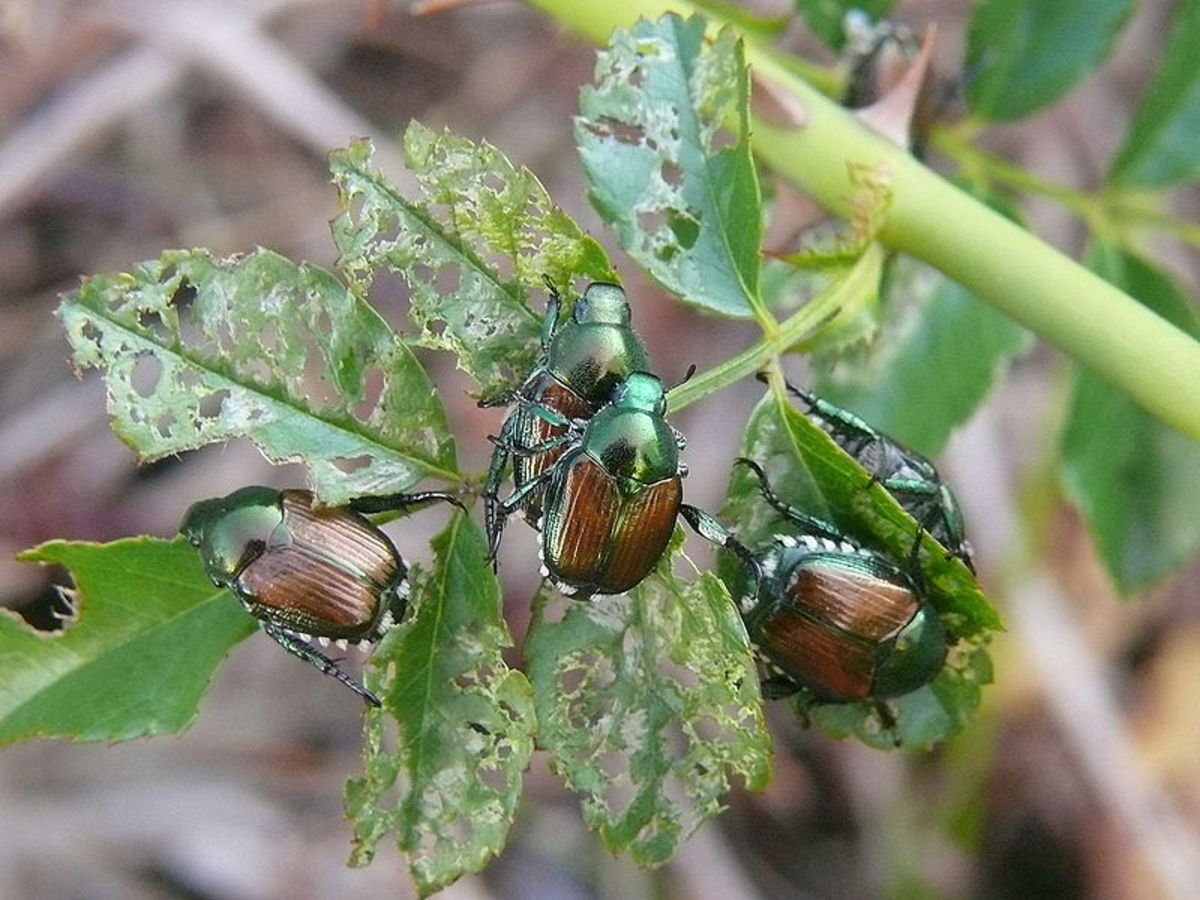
687	376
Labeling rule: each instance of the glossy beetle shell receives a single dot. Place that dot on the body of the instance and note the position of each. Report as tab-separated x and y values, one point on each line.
844	623
584	358
603	534
324	571
613	497
525	429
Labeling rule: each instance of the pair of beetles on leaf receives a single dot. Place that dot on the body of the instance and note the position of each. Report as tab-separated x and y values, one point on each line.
596	470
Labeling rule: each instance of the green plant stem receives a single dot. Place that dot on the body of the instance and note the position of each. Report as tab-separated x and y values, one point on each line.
1112	334
858	280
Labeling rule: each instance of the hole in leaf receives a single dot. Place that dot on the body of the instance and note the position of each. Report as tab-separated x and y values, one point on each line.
147	372
720	140
372	390
152	322
493	777
184	295
622	132
350	464
672	173
494	183
210	407
257	369
651	221
619	793
165	424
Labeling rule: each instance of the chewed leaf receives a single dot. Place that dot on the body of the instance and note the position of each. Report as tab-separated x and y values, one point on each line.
130	662
471	247
648	706
449	782
196	350
678	187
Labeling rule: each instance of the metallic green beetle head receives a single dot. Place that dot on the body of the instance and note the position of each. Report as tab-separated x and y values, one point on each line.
225	528
643	392
602	304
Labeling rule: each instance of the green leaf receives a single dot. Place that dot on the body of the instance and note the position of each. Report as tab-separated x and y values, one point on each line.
1136	481
811	472
196	350
471	247
1025	54
647	706
939	352
449	783
1160	147
679	189
825	17
148	632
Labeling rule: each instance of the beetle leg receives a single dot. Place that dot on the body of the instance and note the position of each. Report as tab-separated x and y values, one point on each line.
400	502
887	719
716	533
550	320
507	398
507	507
550	416
777	687
534	449
811	524
294	645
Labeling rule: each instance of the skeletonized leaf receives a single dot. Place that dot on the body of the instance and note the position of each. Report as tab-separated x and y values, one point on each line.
449	782
647	706
149	630
196	350
470	248
679	189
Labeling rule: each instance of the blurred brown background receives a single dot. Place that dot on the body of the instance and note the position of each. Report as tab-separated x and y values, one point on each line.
128	127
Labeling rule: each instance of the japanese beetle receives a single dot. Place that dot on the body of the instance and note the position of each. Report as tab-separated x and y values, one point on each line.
830	617
610	500
305	570
582	360
908	476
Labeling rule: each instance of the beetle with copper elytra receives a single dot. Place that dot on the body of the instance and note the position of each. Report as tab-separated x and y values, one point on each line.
829	617
582	361
307	571
611	499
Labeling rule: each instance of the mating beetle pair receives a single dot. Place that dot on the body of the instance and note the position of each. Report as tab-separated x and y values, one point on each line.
304	570
595	464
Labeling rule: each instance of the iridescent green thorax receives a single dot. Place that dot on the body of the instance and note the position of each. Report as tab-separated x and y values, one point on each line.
595	349
224	529
305	570
629	438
